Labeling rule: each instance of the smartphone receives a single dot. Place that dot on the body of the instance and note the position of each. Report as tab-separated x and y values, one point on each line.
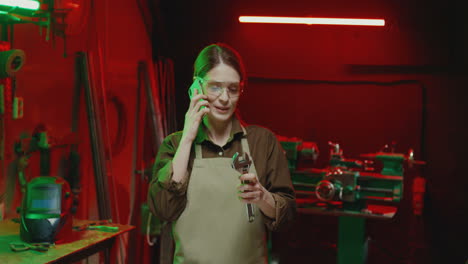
196	85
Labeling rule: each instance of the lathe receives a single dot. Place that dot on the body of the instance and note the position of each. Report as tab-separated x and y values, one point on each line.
352	189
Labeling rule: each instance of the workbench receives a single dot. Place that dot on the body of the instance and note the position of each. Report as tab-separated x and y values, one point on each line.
83	244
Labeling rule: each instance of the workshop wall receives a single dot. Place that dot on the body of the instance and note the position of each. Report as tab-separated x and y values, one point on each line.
423	42
114	33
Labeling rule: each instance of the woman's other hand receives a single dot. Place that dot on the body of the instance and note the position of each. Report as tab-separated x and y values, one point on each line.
251	191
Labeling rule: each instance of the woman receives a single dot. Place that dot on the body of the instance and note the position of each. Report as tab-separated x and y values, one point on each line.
194	185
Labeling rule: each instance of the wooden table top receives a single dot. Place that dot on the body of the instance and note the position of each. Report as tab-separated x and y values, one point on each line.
81	240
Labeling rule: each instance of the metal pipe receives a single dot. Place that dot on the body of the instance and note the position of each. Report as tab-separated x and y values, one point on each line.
104	206
372	189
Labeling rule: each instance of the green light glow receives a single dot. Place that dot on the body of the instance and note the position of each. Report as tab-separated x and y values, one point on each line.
24	4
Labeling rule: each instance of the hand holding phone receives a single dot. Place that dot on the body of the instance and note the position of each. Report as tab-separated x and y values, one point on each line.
197	109
196	86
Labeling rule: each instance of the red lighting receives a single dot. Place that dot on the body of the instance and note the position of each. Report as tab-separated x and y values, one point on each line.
313	21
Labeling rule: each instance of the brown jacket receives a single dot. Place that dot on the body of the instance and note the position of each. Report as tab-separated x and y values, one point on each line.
167	199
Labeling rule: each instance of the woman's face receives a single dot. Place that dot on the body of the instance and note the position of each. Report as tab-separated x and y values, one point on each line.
222	86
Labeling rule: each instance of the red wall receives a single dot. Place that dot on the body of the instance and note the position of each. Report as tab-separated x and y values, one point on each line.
113	32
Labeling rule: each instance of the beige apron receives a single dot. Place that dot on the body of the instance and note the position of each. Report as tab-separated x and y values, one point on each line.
214	227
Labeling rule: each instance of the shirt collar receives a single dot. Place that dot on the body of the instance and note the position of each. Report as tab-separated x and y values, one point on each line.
236	129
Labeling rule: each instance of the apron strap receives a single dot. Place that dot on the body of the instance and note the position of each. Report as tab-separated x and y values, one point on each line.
198	151
245	144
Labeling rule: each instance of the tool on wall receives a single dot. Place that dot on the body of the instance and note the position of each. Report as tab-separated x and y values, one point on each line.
59	17
11	61
11	106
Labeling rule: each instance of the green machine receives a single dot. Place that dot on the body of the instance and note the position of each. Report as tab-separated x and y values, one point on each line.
352	190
